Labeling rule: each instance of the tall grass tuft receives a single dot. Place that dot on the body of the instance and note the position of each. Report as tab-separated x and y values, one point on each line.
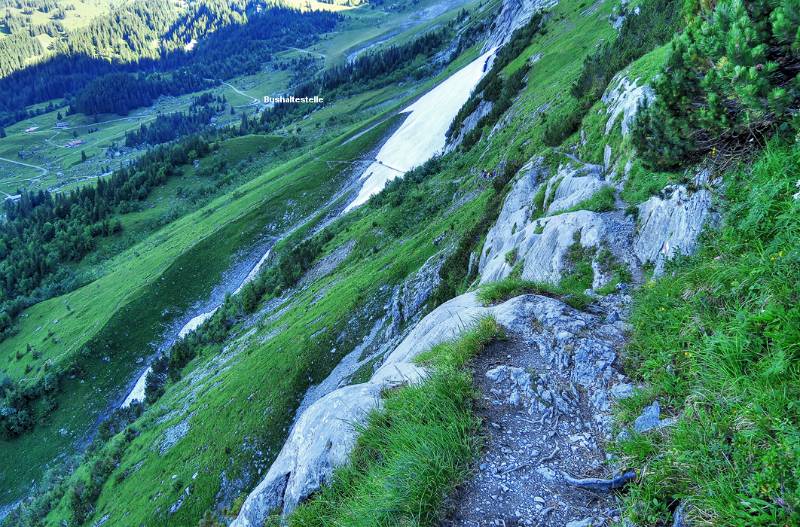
717	340
571	290
413	452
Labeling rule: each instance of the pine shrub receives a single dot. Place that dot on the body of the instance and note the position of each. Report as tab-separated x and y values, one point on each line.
730	80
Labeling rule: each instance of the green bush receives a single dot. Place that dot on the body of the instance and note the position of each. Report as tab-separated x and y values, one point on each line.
560	127
731	78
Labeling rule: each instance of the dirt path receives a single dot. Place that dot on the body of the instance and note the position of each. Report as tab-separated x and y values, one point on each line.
544	403
253	100
43	170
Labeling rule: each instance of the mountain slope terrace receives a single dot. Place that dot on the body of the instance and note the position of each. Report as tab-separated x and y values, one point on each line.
548	392
261	425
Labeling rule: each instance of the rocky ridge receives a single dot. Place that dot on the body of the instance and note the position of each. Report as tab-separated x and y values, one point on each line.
546	398
547	392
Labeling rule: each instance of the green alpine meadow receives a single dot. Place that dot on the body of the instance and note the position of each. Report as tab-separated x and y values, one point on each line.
383	263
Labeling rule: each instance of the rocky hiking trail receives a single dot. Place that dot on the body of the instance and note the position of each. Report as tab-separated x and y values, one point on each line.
545	395
546	392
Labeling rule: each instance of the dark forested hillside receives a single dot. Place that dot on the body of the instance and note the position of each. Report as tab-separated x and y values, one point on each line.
121	92
168	127
375	65
241	44
16	51
130	32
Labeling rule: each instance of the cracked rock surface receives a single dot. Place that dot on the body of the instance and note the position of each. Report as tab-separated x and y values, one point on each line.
541	244
671	223
545	402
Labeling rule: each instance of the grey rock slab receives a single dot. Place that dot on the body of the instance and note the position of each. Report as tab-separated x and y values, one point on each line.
649	418
513	15
172	435
574	185
587	522
324	435
469	123
321	440
545	254
622	390
623	100
671	223
541	245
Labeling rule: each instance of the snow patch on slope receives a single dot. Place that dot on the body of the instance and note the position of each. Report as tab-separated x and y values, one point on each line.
137	392
422	134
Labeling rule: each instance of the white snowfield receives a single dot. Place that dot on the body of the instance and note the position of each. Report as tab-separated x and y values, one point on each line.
422	134
137	392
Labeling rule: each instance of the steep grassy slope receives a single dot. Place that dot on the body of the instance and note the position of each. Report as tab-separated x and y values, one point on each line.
144	289
716	342
110	323
268	364
274	361
148	287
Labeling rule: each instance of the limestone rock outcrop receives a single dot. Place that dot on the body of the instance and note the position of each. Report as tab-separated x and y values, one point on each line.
324	435
671	222
540	245
513	15
624	100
